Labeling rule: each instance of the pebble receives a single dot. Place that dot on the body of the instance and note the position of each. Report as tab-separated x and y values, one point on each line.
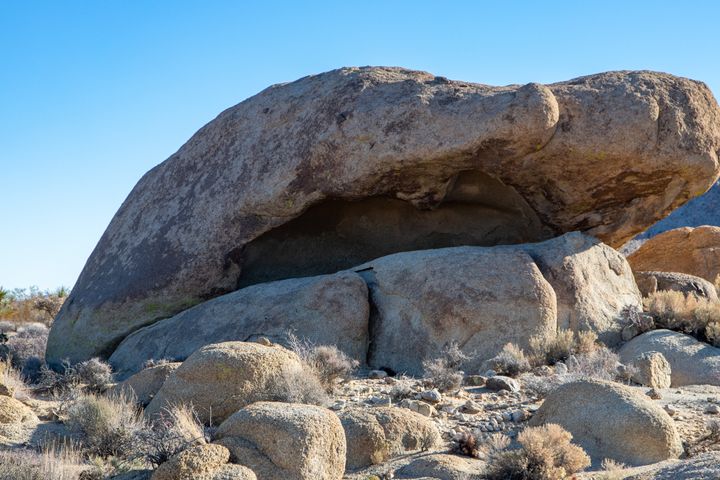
339	405
377	374
671	410
561	368
507	416
471	407
519	416
381	401
490	373
654	394
500	382
713	409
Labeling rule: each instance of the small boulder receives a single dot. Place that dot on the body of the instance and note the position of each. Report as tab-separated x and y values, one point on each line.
692	362
651	282
286	441
652	370
221	378
443	467
14	411
610	420
198	462
501	382
375	434
146	383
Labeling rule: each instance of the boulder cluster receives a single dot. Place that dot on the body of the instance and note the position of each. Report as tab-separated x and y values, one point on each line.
435	233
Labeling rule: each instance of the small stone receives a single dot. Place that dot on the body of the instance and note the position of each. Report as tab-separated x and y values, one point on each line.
629	332
519	416
474	380
426	409
390	380
500	382
654	393
380	401
432	396
490	373
670	410
543	371
507	416
561	368
471	407
713	409
377	374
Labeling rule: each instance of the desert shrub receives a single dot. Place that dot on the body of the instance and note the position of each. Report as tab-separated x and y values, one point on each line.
105	425
401	390
52	463
690	314
600	364
13	380
94	374
611	470
176	429
510	361
155	362
586	341
545	453
550	349
444	371
297	386
466	444
329	363
26	348
31	305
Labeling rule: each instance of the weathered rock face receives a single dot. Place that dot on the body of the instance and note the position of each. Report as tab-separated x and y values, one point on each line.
286	441
652	370
705	466
332	170
146	383
695	251
610	420
220	378
651	282
326	310
377	434
444	467
483	298
692	362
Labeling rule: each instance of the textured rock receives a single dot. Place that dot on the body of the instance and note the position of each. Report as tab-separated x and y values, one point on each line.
485	297
374	435
326	310
286	441
145	384
14	411
220	378
332	170
695	251
610	420
652	370
705	466
500	382
443	467
198	462
692	362
651	282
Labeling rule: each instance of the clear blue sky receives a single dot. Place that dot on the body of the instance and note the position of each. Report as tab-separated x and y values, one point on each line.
93	94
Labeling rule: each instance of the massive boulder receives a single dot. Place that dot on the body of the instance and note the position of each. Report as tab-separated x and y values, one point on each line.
485	297
695	251
220	378
336	169
651	282
691	362
325	310
286	441
610	420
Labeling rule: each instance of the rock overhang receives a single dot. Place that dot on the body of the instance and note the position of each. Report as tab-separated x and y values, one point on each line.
608	154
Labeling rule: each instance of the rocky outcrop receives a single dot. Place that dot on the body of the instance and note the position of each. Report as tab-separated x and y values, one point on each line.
695	251
651	282
705	466
483	298
220	378
145	384
610	420
286	441
692	362
374	435
333	170
325	310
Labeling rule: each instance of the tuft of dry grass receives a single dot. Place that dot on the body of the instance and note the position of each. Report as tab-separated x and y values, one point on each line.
328	363
510	361
545	453
298	386
690	314
550	349
176	429
13	380
106	425
443	372
55	462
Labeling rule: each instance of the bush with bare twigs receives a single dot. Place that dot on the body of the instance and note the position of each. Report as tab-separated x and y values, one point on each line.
298	386
327	362
176	429
510	361
550	349
444	372
545	453
53	463
690	314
